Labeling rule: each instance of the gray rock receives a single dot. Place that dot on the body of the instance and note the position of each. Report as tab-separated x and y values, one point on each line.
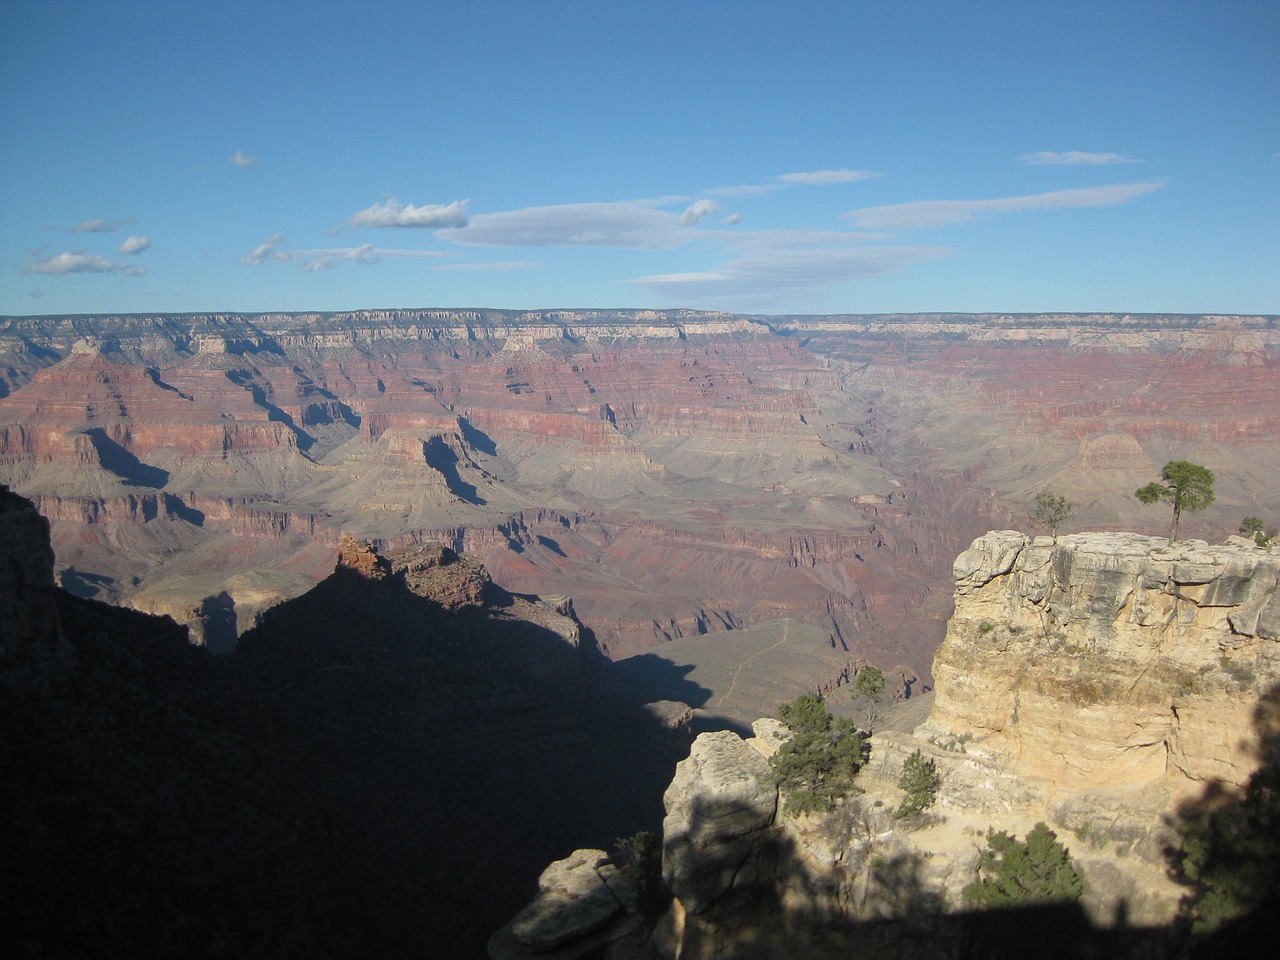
717	805
576	896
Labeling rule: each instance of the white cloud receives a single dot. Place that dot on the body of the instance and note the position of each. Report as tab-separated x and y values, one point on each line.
784	275
99	226
268	250
732	219
941	213
698	211
134	245
822	177
79	262
393	213
630	223
243	160
1073	157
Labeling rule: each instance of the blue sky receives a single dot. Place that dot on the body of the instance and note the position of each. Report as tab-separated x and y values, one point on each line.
758	157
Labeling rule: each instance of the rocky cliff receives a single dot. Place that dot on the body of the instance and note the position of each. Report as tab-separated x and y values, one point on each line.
1106	684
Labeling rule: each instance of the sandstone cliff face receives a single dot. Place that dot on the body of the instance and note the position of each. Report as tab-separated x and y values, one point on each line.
1109	659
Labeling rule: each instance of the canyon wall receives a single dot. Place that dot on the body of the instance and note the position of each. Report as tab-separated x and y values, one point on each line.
675	472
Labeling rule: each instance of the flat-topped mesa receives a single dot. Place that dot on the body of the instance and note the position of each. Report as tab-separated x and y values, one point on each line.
1109	659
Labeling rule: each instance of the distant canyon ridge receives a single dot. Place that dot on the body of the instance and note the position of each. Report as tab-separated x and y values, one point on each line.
689	479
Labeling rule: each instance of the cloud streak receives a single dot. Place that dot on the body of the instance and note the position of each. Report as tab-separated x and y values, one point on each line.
941	213
1074	158
818	178
635	224
99	226
80	262
243	160
393	213
784	275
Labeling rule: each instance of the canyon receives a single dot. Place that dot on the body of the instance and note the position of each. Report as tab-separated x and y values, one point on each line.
689	479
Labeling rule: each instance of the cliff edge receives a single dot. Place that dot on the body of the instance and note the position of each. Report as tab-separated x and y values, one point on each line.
1102	683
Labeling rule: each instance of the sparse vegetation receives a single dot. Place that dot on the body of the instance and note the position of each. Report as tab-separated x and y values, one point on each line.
920	780
1038	871
1253	527
818	764
1050	511
986	626
1188	486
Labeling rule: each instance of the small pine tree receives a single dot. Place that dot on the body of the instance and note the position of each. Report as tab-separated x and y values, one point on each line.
818	764
1188	486
920	780
1036	872
868	689
1051	512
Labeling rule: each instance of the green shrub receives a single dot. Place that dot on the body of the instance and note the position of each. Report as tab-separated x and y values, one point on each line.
1037	871
817	765
920	780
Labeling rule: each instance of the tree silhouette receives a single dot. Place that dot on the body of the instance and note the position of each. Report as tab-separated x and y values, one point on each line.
1188	486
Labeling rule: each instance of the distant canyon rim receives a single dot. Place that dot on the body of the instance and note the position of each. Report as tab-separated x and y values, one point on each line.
707	487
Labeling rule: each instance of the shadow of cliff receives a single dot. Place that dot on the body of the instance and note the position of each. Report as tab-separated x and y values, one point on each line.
1229	854
367	774
441	458
124	464
455	754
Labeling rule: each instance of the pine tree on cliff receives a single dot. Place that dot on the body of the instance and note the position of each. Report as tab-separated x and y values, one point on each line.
1188	486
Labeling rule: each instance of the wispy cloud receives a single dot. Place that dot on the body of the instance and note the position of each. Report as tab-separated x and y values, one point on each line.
941	213
393	213
1074	157
365	253
784	275
99	226
812	178
243	160
80	262
824	177
134	245
270	250
635	224
698	211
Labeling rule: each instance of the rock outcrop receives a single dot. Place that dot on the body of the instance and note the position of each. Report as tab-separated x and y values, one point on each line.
1106	684
1109	660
